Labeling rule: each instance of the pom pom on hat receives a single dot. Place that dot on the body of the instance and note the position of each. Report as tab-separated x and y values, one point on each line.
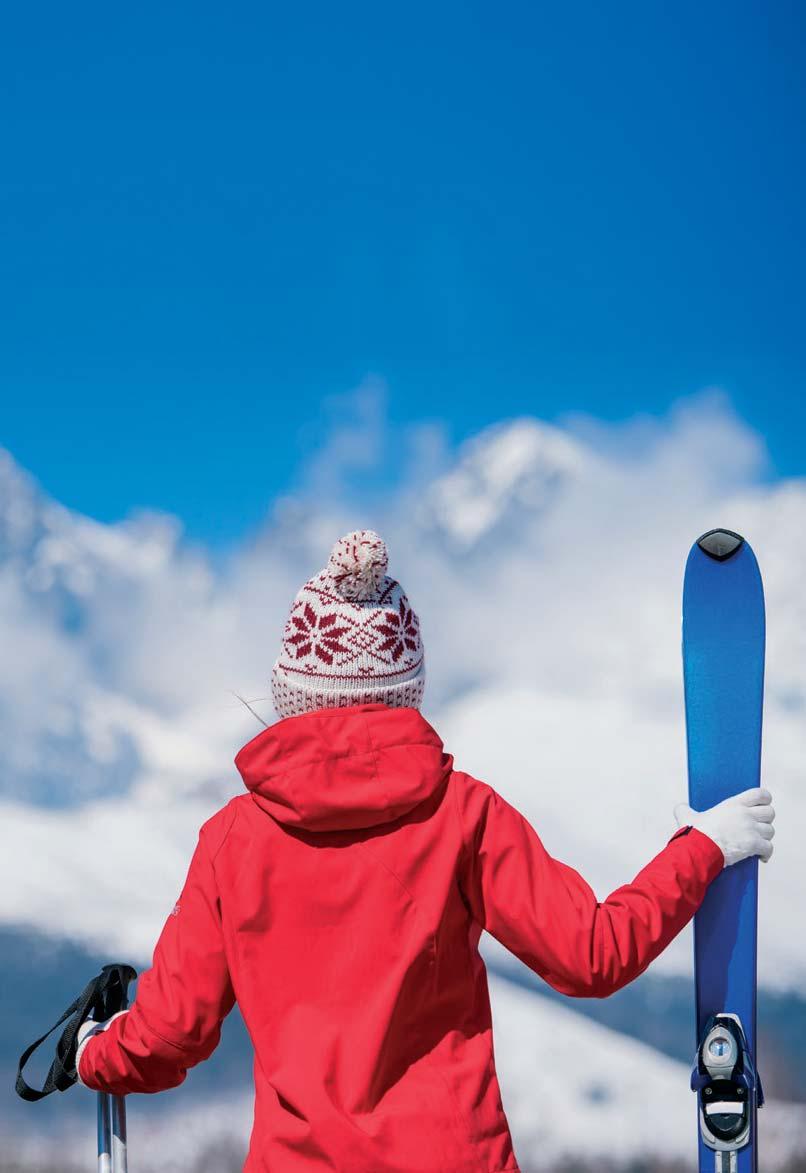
357	565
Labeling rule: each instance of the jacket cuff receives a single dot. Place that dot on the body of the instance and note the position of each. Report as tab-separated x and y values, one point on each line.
683	831
704	844
81	1080
96	1030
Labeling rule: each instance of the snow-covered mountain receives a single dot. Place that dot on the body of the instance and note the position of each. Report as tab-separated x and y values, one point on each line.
553	653
572	1088
507	479
546	565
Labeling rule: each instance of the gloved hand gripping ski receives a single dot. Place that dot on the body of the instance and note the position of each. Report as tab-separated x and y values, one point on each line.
741	826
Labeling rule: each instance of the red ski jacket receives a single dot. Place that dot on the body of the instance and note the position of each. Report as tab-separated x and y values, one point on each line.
341	901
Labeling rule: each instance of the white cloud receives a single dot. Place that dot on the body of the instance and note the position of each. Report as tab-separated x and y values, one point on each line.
546	564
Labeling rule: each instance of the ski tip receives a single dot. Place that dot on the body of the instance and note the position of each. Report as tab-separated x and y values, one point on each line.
720	544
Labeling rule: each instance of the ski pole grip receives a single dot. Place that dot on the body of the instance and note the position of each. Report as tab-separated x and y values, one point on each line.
102	997
113	990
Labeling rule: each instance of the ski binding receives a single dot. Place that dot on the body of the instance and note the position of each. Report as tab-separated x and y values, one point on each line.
726	1083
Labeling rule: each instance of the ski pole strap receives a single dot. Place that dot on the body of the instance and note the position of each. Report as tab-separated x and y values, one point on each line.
99	1000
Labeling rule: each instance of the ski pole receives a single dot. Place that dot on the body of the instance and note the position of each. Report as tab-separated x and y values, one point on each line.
104	1134
112	1153
120	1161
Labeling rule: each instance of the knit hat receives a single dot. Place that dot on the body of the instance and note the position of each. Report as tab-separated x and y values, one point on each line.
351	638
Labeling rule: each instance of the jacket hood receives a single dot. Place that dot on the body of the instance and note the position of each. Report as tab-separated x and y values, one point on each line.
344	769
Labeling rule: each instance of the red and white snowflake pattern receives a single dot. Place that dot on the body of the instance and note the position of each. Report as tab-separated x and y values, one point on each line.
317	635
402	631
327	635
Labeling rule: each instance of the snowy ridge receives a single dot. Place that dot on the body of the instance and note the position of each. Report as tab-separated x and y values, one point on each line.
505	478
574	1088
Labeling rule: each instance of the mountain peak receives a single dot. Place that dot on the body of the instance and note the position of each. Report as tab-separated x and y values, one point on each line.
508	471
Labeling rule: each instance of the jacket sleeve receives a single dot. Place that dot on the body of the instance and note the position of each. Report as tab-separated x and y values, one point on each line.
175	1021
545	913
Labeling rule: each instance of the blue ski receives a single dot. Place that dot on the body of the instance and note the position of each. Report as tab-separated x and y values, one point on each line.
723	667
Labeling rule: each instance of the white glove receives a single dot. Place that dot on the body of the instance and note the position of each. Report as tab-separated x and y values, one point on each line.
740	825
88	1030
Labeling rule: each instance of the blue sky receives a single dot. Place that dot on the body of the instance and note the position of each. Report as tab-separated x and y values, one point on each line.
215	221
